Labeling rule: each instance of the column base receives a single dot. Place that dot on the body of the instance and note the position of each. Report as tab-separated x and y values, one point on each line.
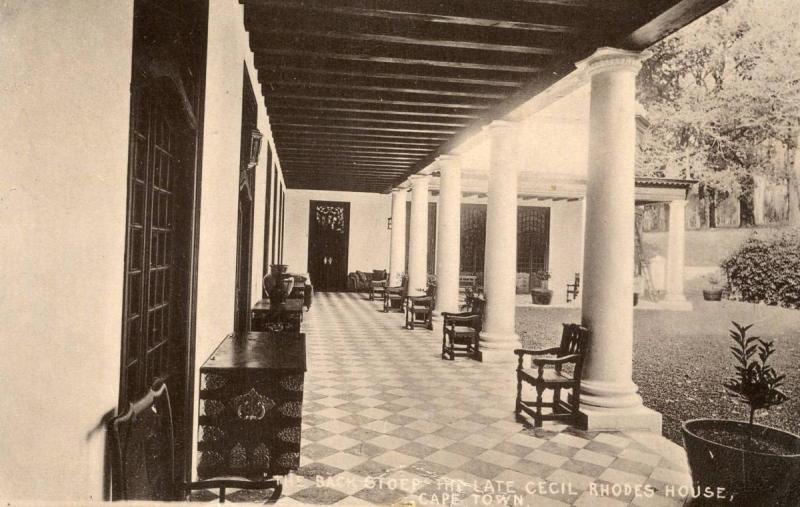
499	347
620	419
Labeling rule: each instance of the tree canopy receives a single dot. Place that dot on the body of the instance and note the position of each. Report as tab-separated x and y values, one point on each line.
723	98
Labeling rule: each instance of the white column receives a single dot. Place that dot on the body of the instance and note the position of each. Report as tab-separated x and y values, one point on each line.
675	250
418	236
448	247
609	399
397	248
500	263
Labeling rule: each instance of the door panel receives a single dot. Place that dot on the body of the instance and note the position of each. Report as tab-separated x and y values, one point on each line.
244	228
328	238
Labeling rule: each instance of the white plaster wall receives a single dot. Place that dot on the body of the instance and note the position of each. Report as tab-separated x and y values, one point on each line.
566	245
64	97
228	49
369	237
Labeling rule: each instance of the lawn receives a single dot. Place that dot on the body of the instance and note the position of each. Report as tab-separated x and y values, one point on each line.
705	247
681	358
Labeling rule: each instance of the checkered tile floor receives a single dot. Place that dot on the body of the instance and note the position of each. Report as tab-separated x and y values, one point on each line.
386	421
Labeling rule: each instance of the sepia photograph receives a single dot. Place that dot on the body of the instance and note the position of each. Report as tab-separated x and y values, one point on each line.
454	253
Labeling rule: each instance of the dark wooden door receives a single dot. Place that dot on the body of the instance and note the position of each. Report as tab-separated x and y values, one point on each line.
533	239
244	228
328	237
162	216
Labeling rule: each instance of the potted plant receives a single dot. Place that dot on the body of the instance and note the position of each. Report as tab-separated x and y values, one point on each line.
714	292
540	294
744	463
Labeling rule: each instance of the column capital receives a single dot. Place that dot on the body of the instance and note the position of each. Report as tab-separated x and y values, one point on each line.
446	162
607	59
678	203
399	190
496	125
417	178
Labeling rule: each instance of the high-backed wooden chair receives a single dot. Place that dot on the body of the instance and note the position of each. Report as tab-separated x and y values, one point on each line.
143	460
419	309
560	372
573	289
461	331
394	297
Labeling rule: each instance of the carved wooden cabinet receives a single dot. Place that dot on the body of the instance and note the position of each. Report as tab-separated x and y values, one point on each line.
251	402
289	314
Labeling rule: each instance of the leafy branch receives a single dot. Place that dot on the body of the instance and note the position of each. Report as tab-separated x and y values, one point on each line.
756	382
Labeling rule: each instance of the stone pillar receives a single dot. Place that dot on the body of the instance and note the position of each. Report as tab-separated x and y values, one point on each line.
500	264
397	248
675	251
609	400
448	246
418	236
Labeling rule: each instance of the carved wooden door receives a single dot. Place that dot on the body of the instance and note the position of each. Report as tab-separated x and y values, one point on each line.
328	237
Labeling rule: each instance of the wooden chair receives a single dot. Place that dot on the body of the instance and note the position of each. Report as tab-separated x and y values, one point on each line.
419	309
143	460
461	331
395	297
573	289
549	373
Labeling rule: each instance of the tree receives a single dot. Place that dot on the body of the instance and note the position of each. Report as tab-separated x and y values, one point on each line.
723	101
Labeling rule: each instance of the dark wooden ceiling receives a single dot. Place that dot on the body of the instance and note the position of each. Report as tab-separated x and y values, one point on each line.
362	93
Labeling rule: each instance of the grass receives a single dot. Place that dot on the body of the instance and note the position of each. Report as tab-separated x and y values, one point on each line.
704	247
680	359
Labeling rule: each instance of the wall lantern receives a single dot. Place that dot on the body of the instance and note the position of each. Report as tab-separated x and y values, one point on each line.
255	147
389	223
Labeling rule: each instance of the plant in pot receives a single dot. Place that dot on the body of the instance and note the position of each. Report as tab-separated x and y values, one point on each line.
714	292
540	294
744	463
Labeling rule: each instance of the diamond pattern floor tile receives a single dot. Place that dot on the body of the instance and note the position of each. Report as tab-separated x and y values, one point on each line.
386	421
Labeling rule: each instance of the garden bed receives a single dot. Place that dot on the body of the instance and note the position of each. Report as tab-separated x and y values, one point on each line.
681	358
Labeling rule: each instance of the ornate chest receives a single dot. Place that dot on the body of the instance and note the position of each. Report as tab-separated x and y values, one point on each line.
289	314
251	400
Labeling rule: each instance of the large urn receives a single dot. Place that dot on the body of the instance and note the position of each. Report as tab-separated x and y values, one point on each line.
278	284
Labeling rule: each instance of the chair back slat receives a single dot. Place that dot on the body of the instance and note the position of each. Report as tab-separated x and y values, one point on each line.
573	339
142	446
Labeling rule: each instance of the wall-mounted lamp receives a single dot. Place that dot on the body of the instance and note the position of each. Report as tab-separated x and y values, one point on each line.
389	223
255	147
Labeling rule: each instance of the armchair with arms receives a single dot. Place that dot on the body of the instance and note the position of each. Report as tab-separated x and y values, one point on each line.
554	373
419	309
142	446
394	297
461	331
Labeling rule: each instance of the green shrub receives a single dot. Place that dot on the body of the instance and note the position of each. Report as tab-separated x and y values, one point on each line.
766	270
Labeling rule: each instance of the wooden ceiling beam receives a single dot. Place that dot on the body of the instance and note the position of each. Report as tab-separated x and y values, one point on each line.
294	85
353	147
280	108
266	49
278	123
329	139
283	70
358	136
344	160
672	19
371	150
347	156
498	14
273	33
322	119
364	100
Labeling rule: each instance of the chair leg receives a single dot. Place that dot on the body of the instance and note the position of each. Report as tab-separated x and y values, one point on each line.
276	493
537	420
518	406
556	400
